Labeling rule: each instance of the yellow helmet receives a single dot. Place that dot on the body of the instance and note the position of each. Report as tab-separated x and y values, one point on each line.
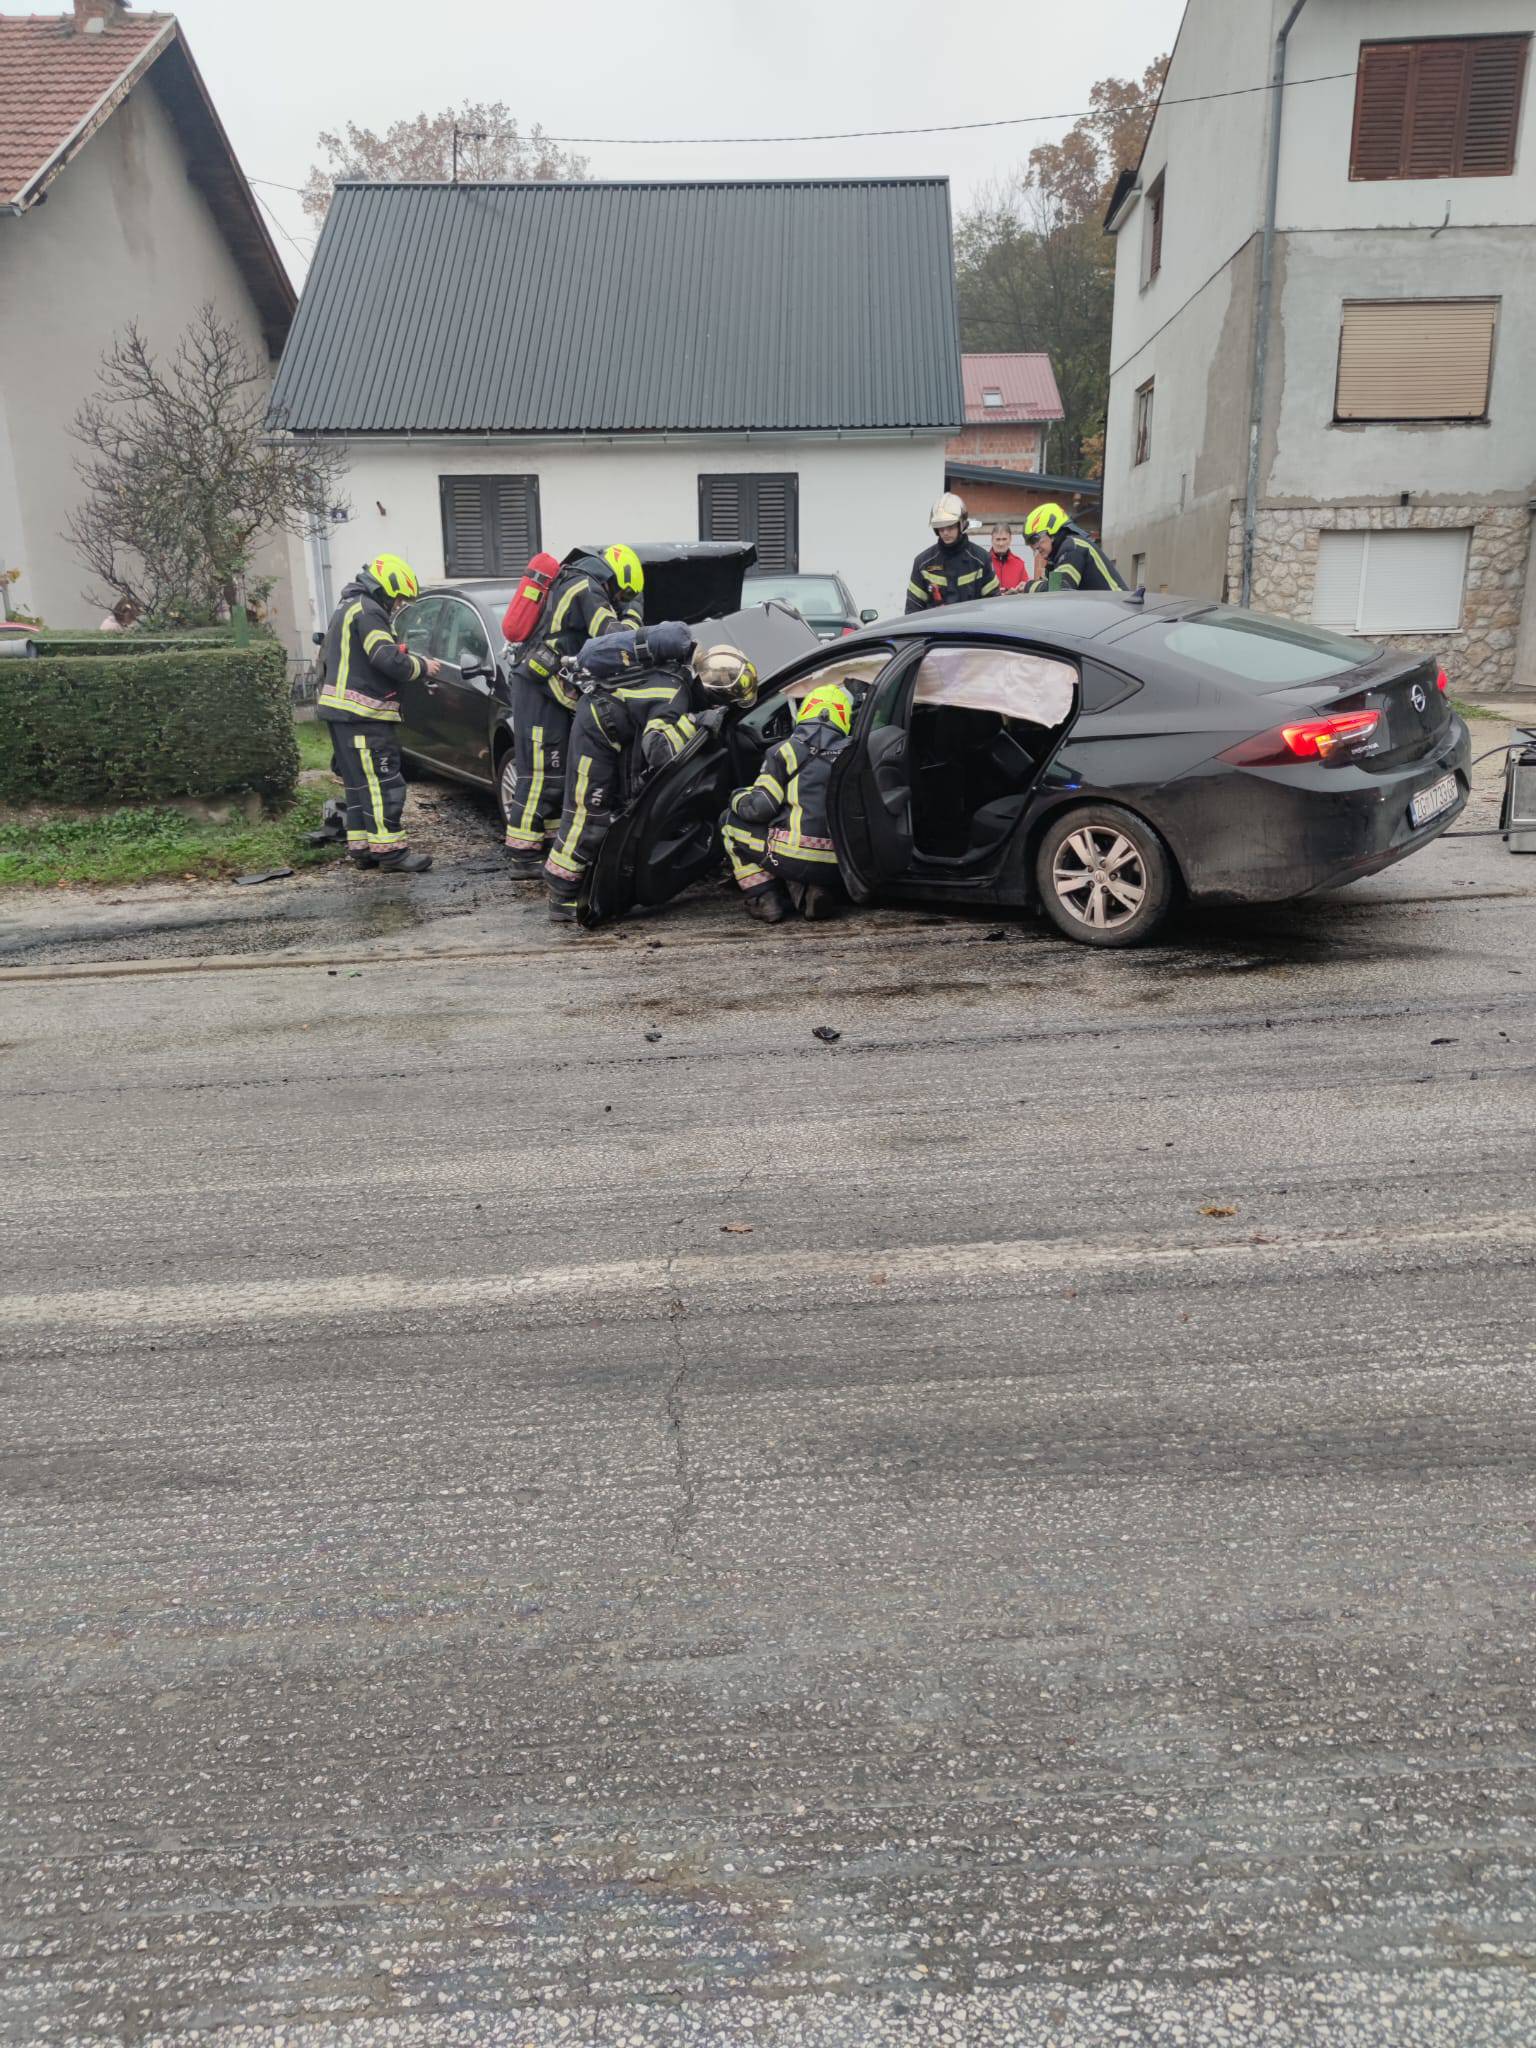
1046	521
627	572
395	577
830	703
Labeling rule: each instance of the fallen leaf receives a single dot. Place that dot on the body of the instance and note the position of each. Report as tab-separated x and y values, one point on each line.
877	1279
739	1229
826	1034
1218	1209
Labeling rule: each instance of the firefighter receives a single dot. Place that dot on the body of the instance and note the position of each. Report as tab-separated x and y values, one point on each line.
954	570
1065	558
777	832
644	706
591	596
363	669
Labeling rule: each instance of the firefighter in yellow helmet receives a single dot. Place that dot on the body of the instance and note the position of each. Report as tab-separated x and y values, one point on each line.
1065	558
954	570
778	833
359	699
593	594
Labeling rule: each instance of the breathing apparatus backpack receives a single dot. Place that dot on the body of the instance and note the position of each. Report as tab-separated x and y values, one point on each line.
521	618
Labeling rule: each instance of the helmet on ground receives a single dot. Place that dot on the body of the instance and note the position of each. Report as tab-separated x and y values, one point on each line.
726	675
624	565
395	577
831	704
1045	522
949	511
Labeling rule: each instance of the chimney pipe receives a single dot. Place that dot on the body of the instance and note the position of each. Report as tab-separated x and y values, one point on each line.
92	16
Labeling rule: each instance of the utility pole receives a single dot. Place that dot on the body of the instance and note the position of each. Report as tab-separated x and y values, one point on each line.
474	135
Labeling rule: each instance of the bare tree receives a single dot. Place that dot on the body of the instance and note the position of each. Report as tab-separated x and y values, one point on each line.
490	146
185	475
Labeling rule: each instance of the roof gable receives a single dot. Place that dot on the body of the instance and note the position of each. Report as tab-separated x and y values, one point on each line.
711	307
60	85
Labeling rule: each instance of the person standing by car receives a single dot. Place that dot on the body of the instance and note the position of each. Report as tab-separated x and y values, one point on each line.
1065	557
778	833
1011	570
592	595
954	570
359	699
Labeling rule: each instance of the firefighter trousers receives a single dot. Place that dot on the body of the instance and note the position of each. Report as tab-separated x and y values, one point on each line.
759	856
594	776
541	728
366	753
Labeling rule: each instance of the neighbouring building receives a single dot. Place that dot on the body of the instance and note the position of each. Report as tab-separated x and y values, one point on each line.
1011	404
120	200
1392	431
516	366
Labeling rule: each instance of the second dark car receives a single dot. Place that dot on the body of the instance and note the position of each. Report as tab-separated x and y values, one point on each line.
824	602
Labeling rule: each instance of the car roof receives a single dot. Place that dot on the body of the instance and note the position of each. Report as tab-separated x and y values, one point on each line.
1072	617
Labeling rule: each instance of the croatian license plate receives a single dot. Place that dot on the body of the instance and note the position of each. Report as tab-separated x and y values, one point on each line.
1429	803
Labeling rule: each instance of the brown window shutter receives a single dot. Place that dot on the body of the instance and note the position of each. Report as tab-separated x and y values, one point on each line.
1415	359
1495	87
1381	110
1157	228
1435	100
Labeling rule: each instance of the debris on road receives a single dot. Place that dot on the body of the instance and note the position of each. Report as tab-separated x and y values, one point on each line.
1218	1209
826	1034
266	875
738	1229
653	1038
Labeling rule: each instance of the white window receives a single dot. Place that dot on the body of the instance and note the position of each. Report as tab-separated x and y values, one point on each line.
1391	582
992	398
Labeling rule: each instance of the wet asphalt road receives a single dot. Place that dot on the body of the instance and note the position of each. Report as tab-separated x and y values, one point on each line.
1016	1525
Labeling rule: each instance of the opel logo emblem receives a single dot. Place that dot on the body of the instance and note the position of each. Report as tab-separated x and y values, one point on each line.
1419	698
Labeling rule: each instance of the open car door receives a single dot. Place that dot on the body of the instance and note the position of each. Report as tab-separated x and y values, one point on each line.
870	795
668	837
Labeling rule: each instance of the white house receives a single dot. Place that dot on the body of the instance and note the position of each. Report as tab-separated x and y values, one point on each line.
120	200
1325	317
522	365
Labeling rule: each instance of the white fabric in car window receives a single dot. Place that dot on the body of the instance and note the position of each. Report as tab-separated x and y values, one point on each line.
1019	685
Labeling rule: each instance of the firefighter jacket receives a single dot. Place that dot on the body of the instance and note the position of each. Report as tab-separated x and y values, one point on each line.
363	664
1076	564
942	575
579	606
790	794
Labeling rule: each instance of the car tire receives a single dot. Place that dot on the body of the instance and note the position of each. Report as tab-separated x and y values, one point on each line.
410	767
1104	876
506	768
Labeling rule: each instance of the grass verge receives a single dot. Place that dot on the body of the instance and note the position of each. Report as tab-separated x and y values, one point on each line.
314	738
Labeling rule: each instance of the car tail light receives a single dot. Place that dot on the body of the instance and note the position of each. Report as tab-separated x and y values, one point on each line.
853	629
1442	683
1315	739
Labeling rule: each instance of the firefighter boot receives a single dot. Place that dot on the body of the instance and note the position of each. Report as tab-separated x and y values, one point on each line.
818	903
404	863
768	906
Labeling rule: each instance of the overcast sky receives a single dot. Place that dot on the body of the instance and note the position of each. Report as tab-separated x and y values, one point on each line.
281	70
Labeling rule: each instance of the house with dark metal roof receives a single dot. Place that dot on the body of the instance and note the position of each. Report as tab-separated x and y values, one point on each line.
120	200
516	366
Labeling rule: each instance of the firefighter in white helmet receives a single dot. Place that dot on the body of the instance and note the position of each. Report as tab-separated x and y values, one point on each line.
954	570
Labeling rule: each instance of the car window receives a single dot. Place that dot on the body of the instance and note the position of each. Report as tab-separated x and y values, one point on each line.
1010	680
1251	647
461	636
854	671
416	622
820	594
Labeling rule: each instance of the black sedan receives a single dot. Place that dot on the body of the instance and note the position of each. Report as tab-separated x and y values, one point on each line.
1095	756
824	602
461	726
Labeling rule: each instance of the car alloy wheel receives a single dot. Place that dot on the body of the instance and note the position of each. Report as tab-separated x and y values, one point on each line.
1099	877
1104	876
506	775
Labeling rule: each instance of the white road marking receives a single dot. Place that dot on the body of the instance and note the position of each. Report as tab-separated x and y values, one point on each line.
928	1267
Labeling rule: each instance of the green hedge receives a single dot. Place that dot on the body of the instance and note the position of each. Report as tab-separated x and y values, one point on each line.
73	645
203	722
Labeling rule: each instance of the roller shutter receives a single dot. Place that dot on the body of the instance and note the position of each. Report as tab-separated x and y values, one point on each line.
1415	359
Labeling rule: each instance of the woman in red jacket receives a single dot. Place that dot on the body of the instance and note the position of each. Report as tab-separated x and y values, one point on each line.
1011	570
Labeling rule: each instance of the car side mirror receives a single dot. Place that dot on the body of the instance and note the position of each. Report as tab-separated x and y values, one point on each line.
867	617
470	669
317	639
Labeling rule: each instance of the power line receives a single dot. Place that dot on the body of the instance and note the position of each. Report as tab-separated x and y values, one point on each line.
303	255
938	128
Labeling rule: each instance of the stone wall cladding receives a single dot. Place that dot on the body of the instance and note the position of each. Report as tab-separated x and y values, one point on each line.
1480	657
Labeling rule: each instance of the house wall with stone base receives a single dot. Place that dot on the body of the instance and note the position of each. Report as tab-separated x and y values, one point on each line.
1480	657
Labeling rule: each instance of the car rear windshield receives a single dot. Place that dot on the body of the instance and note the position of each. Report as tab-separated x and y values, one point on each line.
808	593
1251	647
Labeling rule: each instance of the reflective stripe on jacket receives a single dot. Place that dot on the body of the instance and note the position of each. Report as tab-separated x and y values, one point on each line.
364	666
954	575
1076	564
790	794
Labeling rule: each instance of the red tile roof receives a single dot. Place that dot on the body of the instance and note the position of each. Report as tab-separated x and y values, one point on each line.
54	78
1026	382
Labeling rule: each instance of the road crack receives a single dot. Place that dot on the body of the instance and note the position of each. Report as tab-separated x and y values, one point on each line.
674	1408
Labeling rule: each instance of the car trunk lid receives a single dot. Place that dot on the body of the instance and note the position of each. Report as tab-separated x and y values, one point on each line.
1412	706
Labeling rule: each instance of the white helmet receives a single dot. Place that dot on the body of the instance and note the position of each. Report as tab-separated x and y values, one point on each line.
949	511
726	674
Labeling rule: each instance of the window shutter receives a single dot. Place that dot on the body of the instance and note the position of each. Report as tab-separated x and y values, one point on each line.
722	513
1381	110
1434	110
1495	87
490	524
1336	590
778	535
1415	359
1413	581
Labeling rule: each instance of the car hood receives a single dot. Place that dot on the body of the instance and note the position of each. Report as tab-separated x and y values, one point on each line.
771	635
691	580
